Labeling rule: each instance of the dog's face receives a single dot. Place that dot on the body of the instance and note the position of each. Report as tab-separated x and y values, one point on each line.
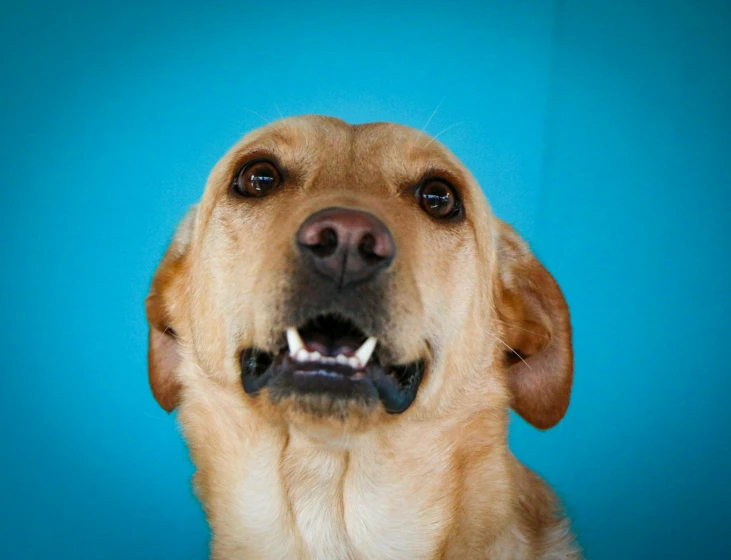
351	276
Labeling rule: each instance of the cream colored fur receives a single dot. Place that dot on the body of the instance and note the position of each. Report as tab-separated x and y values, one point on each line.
436	482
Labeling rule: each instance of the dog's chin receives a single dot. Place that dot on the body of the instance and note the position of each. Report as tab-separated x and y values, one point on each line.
330	369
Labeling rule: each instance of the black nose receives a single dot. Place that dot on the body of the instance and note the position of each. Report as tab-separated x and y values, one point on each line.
347	246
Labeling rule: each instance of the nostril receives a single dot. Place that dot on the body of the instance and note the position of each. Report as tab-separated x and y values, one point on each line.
367	249
327	243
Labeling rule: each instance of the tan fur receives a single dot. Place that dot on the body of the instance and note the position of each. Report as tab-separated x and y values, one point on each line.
436	482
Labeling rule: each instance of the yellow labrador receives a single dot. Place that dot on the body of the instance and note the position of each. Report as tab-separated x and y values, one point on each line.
343	325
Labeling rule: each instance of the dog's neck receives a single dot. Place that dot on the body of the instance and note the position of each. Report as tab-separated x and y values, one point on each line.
357	496
283	491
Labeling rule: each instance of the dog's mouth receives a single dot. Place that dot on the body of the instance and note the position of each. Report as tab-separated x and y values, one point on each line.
331	355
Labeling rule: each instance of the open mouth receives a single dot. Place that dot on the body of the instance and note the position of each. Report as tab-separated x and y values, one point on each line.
332	355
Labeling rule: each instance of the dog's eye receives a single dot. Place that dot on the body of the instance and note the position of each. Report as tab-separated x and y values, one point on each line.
438	199
257	179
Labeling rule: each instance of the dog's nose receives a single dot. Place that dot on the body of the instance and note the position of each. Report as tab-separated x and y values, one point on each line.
347	246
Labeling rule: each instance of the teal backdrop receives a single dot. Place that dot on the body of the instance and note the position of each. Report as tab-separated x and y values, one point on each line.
601	130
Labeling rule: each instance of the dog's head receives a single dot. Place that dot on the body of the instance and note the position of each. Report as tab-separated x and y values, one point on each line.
354	275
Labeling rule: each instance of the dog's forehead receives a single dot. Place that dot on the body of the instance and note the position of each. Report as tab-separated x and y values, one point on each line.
336	137
314	142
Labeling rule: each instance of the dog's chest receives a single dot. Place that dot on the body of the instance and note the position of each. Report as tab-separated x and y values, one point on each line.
318	504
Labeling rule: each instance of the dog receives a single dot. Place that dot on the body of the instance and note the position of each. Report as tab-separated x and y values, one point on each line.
343	325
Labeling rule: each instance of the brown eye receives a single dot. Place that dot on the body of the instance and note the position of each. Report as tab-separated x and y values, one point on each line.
438	199
257	179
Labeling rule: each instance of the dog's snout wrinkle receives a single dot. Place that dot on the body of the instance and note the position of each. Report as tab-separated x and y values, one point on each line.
348	246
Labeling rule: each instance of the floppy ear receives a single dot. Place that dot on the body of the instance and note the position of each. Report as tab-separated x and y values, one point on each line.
163	303
537	326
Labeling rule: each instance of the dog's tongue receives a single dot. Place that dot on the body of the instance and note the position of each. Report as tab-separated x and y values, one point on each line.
328	346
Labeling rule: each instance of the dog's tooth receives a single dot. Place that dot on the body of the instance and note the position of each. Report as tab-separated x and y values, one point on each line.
365	352
341	359
294	341
315	356
302	355
354	363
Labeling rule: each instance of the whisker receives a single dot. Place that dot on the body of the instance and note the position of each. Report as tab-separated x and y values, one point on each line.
434	112
517	327
442	132
258	115
513	350
154	417
161	334
281	116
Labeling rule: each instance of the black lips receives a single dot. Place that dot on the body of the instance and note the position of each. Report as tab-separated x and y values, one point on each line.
394	385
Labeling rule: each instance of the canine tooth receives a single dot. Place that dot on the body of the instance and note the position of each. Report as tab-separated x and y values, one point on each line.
294	341
354	363
302	355
365	352
315	356
341	359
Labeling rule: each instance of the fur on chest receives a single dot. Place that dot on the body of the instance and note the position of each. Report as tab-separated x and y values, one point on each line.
314	503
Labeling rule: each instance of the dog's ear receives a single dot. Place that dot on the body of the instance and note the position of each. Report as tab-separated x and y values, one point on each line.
164	303
536	325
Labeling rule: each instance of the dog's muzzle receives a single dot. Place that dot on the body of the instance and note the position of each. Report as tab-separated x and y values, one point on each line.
337	308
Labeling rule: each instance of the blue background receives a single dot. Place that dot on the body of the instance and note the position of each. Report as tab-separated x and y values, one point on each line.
602	130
